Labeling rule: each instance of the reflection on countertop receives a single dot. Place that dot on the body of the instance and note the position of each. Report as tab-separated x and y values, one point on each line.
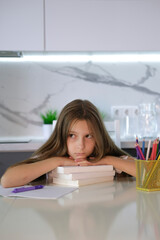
102	211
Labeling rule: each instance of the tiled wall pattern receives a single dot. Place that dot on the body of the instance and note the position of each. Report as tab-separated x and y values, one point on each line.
29	88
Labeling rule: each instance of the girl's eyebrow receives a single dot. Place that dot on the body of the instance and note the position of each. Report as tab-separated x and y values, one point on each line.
88	133
72	132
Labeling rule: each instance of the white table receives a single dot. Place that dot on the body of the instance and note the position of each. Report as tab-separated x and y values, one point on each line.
97	212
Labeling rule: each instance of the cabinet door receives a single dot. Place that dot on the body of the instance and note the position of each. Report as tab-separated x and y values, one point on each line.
102	25
21	25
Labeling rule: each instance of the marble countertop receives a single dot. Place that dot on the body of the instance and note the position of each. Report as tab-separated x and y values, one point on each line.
114	210
20	146
31	145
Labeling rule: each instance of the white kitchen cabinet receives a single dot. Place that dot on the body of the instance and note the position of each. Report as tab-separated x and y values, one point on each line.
21	25
102	25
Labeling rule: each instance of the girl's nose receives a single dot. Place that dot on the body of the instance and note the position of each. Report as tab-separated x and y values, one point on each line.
80	143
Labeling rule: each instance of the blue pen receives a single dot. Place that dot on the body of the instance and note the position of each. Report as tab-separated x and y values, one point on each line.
24	189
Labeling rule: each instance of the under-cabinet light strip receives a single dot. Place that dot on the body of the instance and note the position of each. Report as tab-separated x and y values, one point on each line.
73	58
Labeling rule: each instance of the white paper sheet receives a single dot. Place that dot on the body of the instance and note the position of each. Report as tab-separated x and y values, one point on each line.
48	192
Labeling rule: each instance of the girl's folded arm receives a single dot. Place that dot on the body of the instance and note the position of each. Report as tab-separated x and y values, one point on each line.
126	165
24	173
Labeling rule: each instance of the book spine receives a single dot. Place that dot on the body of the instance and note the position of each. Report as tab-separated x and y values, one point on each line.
82	182
79	169
77	176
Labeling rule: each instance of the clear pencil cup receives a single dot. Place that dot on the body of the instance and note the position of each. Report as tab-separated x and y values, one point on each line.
148	175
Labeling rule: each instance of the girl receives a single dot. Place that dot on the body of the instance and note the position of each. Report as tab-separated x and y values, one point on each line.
80	139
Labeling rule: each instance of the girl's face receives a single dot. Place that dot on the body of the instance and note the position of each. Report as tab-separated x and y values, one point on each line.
80	141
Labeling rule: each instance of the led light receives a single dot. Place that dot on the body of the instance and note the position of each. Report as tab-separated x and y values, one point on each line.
126	57
58	58
103	58
85	57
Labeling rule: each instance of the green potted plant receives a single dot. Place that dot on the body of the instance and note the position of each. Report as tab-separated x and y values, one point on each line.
49	121
49	116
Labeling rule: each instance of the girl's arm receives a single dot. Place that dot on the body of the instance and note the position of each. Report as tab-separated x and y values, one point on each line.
24	173
126	165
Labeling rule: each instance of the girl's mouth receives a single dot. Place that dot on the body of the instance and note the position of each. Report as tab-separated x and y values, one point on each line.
80	154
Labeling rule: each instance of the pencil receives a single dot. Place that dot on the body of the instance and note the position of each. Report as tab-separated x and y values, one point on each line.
153	149
136	139
148	149
139	152
136	149
157	145
158	154
143	146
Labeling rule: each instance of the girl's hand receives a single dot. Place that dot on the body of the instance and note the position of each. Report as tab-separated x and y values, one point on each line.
68	162
83	162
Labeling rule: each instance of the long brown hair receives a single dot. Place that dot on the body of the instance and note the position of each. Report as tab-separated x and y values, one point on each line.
78	109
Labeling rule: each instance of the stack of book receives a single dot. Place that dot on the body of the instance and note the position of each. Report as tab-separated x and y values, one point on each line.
80	176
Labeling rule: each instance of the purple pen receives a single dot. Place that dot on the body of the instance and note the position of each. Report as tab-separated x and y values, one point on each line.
24	189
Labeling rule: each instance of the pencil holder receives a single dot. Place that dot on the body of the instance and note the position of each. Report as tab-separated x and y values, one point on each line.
148	175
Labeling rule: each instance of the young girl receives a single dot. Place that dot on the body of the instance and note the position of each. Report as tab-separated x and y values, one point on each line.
80	139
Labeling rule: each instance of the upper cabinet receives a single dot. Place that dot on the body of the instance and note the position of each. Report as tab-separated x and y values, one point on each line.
96	25
79	25
21	25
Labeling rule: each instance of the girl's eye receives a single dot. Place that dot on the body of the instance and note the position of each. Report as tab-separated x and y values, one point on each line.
72	135
89	136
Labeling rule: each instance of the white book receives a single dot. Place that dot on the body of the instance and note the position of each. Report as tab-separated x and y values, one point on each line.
73	169
82	182
79	175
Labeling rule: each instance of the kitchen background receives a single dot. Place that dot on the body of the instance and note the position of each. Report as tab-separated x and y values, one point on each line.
28	88
116	88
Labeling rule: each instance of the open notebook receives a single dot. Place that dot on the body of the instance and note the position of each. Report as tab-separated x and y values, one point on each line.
48	192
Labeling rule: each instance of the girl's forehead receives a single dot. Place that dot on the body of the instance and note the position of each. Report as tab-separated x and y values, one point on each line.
80	123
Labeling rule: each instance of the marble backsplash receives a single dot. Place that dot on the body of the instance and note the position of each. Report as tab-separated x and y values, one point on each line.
29	88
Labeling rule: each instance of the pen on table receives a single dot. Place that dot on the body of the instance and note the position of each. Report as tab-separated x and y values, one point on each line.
24	189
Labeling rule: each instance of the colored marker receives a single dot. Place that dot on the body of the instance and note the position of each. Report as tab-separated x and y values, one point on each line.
24	189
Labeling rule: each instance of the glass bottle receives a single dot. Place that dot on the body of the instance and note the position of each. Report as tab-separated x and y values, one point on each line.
147	120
